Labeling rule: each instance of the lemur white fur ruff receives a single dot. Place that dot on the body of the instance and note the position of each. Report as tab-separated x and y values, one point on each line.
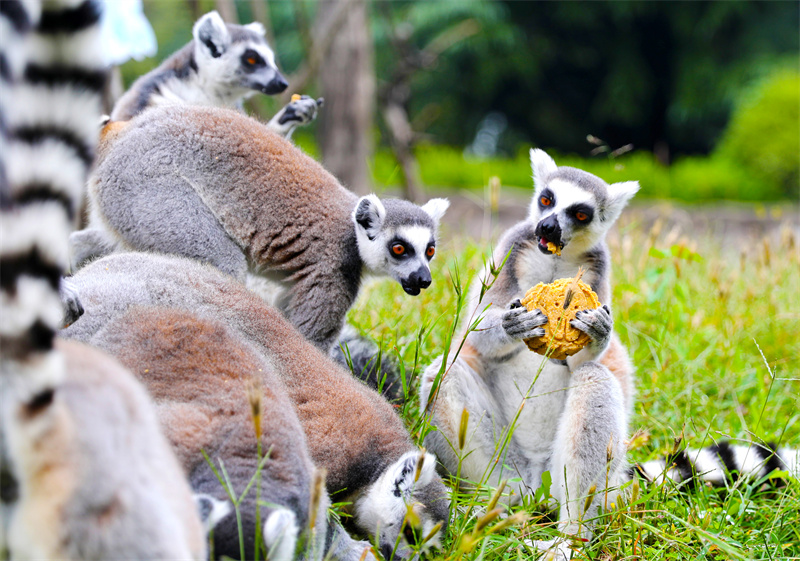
85	472
216	185
575	415
201	377
351	431
223	65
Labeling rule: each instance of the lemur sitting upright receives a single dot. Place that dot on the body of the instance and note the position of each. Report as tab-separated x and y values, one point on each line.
223	65
351	431
575	415
218	186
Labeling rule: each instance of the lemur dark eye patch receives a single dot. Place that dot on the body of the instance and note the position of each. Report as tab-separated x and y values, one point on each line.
251	60
546	199
399	248
580	213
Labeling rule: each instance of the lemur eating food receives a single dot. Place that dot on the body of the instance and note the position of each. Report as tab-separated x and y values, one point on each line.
575	416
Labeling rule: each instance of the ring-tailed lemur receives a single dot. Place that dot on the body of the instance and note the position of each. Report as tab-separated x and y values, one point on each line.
86	473
575	415
351	431
201	377
216	185
223	65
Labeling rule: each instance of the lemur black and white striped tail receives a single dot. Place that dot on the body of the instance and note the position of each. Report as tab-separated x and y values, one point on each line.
721	463
52	76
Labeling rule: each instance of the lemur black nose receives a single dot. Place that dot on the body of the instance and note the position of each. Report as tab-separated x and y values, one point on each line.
276	85
549	225
420	278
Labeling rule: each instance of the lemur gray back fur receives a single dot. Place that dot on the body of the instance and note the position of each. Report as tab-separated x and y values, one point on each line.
575	411
351	431
206	383
217	186
222	65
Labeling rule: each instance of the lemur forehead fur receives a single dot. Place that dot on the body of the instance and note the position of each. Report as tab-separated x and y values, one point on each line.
221	66
215	185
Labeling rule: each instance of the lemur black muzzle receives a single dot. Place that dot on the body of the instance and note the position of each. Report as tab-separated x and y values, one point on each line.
276	85
416	281
548	230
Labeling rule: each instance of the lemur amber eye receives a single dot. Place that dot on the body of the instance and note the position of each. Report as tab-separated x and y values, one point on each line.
430	252
251	60
545	201
398	249
581	216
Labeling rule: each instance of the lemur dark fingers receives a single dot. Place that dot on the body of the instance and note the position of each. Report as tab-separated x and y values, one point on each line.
596	323
73	309
519	323
303	110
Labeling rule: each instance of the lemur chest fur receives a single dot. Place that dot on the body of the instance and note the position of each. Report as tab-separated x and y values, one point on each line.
532	267
544	393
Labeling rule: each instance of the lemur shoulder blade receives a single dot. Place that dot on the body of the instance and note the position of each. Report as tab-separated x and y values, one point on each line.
215	185
351	431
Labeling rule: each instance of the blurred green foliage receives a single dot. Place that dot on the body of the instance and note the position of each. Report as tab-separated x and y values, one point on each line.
716	78
764	134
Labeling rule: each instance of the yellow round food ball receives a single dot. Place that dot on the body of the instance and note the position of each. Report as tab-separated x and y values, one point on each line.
558	333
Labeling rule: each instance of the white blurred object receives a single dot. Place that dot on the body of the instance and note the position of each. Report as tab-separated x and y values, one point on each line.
125	32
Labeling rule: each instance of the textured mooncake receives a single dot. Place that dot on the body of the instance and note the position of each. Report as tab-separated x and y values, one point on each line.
560	301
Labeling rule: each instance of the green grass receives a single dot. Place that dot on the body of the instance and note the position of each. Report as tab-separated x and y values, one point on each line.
696	318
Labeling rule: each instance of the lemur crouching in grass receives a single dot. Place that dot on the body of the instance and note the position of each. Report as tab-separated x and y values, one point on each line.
351	431
215	185
206	383
223	65
84	471
573	415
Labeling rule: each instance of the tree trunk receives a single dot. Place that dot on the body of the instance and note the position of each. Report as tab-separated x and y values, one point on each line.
347	81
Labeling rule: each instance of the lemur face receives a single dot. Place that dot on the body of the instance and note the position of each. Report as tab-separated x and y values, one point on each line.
398	238
236	57
403	507
573	209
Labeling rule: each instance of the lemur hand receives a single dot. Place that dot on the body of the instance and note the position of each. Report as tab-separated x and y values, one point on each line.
521	324
302	110
597	324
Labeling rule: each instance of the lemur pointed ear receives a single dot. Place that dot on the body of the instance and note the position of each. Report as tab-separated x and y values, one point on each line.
542	165
403	473
369	214
618	196
211	32
211	509
436	208
256	27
